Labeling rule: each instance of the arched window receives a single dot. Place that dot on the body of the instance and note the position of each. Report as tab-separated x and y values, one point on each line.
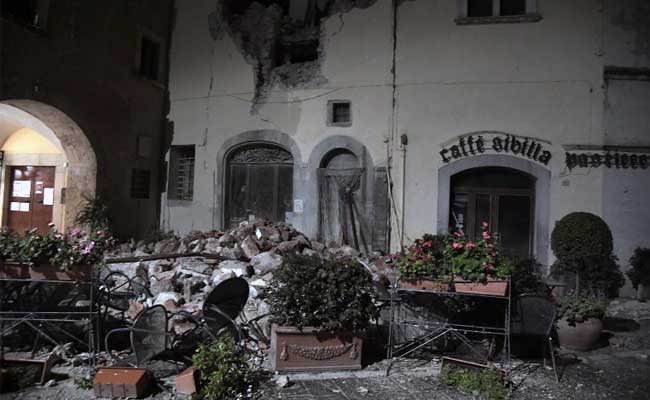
259	183
502	197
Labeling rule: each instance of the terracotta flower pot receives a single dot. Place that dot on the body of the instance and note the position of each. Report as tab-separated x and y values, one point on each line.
306	350
423	284
581	337
492	287
45	272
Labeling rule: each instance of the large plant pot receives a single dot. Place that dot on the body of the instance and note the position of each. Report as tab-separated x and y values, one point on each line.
643	292
492	287
583	336
295	350
423	284
13	270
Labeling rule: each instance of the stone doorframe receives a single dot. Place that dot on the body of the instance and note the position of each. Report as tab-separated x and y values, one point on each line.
261	136
311	192
541	175
64	133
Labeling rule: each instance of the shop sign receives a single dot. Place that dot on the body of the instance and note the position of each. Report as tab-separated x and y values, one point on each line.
618	160
473	145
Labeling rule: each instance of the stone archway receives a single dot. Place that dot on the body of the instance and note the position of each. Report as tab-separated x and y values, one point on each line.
80	167
542	208
261	136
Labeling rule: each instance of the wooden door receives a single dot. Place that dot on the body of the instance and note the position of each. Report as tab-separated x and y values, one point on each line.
31	198
259	184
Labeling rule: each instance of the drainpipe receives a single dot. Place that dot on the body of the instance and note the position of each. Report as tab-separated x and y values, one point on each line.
403	142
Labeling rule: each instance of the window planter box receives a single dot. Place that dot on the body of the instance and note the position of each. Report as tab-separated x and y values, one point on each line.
492	287
307	350
423	284
14	270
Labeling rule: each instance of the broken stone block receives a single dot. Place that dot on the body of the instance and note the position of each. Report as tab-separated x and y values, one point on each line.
212	246
170	305
249	247
227	239
134	309
311	253
128	269
196	246
317	246
292	246
166	246
165	296
161	282
197	265
266	262
186	382
219	276
229	253
232	266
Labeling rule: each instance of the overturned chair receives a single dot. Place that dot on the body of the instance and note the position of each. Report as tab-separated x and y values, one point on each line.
149	336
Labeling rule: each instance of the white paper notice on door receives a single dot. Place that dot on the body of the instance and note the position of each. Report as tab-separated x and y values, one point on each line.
24	207
48	196
14	206
22	189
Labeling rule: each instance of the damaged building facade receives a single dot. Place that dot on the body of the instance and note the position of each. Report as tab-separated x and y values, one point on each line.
371	122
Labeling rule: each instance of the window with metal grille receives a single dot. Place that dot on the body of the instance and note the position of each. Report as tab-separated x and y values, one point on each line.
140	182
181	173
497	11
339	113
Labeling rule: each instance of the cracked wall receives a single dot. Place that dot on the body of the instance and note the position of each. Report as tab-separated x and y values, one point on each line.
282	40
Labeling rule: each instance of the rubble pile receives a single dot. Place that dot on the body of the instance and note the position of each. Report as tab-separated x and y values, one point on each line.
253	251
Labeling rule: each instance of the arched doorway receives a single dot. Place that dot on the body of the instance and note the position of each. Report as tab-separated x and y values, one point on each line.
259	183
342	216
503	198
49	165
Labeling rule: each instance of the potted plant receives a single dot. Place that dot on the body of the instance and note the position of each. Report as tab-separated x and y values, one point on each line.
53	255
579	321
639	274
477	265
582	243
421	266
319	311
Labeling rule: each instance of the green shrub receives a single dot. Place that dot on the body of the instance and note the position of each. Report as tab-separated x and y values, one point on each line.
334	295
224	371
94	215
487	382
579	308
582	243
581	234
640	272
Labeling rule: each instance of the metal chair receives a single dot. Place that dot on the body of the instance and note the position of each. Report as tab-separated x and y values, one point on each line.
148	336
534	316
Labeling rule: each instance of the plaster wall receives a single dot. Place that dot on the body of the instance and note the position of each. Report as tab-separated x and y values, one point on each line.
542	80
626	192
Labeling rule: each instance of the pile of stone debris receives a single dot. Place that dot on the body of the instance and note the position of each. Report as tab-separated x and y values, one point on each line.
253	250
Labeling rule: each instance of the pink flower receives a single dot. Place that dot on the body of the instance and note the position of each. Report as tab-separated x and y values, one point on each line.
484	225
470	245
486	235
459	234
88	248
457	245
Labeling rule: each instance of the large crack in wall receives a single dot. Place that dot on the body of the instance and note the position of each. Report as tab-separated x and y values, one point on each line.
283	40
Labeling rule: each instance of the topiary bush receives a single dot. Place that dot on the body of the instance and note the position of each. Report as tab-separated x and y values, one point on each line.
333	295
582	243
581	234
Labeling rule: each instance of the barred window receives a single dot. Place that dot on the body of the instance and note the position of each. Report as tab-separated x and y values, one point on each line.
181	173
